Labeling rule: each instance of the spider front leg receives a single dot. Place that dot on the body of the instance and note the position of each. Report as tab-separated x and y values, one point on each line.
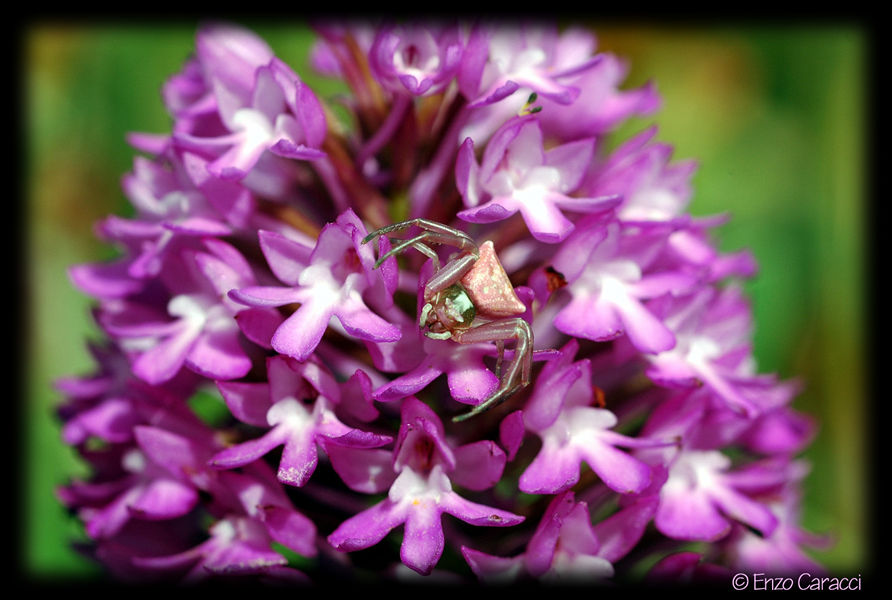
432	233
517	375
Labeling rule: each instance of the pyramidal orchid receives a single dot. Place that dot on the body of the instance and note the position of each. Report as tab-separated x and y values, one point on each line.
467	334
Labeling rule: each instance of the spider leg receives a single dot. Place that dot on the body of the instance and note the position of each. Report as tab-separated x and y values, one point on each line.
517	374
432	233
426	236
449	235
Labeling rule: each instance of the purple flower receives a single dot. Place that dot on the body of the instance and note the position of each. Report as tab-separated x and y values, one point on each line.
238	545
422	492
600	106
262	105
159	478
518	174
606	267
564	548
297	405
700	498
327	280
652	189
712	329
418	60
559	411
196	328
501	60
780	553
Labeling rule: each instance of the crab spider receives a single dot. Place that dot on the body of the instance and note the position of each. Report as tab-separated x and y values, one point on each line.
469	300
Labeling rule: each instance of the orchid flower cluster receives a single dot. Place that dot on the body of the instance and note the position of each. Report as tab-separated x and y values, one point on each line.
264	404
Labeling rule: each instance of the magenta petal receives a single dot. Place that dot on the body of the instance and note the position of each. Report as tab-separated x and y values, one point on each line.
511	432
361	322
619	532
243	556
219	355
259	325
690	516
477	514
109	520
177	453
246	452
552	471
363	470
470	382
479	465
290	528
489	212
287	258
620	471
489	567
368	527
248	402
545	221
745	509
161	363
423	539
589	318
164	499
645	331
299	458
105	280
408	384
111	420
299	335
265	295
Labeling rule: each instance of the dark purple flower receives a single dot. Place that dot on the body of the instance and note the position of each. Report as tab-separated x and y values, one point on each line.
416	59
423	461
329	280
297	405
518	175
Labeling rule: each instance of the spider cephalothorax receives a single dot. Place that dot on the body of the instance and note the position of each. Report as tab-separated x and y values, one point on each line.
469	300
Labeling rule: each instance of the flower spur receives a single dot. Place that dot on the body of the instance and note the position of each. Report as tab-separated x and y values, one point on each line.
469	300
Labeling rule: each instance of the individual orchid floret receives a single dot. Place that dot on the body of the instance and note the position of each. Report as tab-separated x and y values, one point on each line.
518	174
606	267
297	407
422	492
700	498
416	59
197	328
262	498
171	214
262	104
160	480
329	280
238	545
652	189
692	245
563	549
713	331
499	61
782	552
559	411
776	429
103	404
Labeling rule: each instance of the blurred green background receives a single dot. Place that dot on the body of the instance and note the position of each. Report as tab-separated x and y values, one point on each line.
775	115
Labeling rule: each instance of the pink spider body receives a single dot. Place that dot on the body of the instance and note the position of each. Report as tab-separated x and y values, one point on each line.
488	286
470	300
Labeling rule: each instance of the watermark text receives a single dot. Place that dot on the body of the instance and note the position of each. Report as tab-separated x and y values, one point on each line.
803	581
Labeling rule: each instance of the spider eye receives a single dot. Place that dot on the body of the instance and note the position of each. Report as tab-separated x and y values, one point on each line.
458	305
